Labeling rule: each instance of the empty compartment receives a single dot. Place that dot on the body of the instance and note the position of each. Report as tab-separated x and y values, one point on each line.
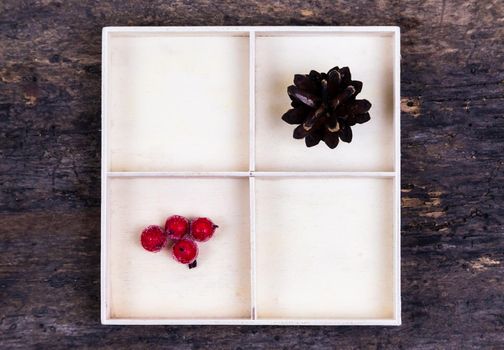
325	248
144	285
178	101
279	56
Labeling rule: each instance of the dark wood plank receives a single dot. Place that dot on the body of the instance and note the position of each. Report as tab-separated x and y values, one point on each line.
453	178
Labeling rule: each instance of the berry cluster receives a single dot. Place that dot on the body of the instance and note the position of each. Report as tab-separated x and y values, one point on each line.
183	233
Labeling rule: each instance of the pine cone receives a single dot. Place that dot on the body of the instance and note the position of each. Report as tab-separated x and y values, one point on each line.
325	106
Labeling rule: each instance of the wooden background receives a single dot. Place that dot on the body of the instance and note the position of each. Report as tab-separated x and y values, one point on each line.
452	167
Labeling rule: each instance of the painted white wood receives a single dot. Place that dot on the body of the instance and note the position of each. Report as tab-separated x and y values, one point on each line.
178	174
251	174
104	162
246	29
253	259
199	176
259	322
323	174
397	168
252	101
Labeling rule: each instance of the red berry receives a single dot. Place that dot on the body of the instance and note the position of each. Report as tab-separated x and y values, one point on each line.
185	251
176	227
202	229
153	238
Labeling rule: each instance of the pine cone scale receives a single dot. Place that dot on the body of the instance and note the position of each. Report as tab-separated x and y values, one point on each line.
357	85
300	132
314	118
311	140
304	83
294	116
331	139
346	134
303	96
343	97
360	106
346	77
362	118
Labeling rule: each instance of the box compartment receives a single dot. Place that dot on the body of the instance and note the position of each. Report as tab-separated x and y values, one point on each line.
178	101
280	55
144	285
324	248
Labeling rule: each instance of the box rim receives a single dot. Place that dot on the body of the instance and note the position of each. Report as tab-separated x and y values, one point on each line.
211	29
106	319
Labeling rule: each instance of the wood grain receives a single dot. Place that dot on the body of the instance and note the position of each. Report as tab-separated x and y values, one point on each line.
452	169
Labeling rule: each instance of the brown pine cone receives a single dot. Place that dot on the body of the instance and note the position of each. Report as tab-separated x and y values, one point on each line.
325	107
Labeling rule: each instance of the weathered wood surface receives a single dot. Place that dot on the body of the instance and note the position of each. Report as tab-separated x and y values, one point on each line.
452	168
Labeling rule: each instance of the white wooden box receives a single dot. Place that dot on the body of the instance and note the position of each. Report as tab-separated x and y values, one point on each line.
191	125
